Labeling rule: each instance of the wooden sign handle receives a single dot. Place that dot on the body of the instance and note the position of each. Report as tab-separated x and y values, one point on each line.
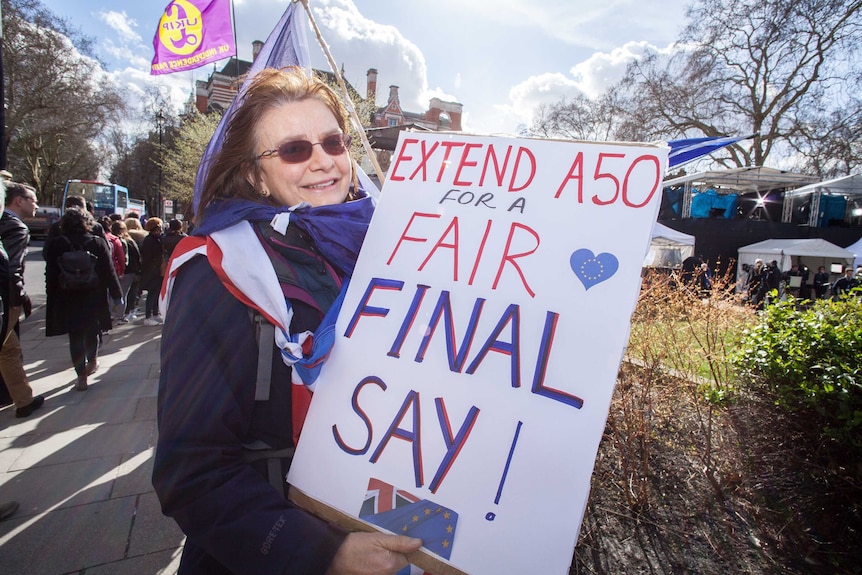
421	558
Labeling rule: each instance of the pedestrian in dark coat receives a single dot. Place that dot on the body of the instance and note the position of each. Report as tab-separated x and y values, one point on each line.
83	314
152	257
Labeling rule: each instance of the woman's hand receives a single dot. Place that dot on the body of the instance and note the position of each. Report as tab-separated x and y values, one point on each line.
372	554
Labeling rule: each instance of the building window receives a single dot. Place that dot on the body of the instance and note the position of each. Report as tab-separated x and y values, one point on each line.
393	122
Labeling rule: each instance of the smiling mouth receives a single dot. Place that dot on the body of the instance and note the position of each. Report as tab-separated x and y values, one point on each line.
322	185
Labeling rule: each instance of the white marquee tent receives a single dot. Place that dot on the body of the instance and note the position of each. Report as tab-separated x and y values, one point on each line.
668	247
812	253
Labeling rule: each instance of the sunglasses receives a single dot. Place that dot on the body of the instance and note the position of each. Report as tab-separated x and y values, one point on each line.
299	151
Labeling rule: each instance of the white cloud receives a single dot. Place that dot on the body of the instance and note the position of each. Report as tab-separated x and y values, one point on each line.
367	44
591	77
578	22
122	25
604	69
526	97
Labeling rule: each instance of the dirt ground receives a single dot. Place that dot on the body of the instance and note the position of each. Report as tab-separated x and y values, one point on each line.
746	488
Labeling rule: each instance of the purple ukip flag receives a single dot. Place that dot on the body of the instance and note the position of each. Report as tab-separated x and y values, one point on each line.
192	33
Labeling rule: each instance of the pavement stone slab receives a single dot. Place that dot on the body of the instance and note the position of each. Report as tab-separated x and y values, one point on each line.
81	466
67	540
151	532
83	442
135	474
42	489
161	563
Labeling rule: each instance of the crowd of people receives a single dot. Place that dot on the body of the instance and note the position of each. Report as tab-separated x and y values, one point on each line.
764	283
84	313
124	266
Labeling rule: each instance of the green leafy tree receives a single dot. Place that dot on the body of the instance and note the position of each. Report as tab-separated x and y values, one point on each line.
179	161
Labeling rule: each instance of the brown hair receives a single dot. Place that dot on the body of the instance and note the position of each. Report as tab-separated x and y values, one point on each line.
119	229
153	224
76	221
236	162
18	190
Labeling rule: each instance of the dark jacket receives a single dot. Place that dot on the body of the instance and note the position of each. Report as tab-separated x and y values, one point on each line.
207	412
75	311
170	241
152	255
15	236
4	291
133	256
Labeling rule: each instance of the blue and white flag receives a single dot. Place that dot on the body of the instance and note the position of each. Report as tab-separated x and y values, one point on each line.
287	45
682	151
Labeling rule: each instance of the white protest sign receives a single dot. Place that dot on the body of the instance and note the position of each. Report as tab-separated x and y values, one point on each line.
478	345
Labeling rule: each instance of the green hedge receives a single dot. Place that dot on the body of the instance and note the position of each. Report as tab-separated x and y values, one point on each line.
810	357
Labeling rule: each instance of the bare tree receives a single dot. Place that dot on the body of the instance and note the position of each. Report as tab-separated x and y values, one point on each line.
59	100
576	118
751	67
787	70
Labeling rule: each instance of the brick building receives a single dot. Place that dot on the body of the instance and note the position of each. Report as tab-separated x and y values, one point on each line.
386	122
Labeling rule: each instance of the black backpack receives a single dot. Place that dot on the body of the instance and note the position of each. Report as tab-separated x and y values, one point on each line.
77	269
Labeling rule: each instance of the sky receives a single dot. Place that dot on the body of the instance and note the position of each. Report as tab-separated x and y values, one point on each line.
500	59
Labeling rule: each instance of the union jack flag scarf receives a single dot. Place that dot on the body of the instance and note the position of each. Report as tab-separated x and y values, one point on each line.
229	242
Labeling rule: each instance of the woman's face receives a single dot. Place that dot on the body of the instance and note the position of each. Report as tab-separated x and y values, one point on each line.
320	180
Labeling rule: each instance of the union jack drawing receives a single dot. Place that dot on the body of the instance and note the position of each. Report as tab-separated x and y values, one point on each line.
401	512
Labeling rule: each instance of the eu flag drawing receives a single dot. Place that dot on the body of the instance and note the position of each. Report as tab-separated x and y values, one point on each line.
402	513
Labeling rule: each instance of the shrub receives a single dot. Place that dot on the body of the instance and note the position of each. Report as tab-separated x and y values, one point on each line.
810	358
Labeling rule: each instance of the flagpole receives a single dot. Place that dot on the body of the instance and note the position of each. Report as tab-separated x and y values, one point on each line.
357	123
233	29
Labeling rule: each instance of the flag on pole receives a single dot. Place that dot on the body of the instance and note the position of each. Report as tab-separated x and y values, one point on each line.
192	33
287	45
682	151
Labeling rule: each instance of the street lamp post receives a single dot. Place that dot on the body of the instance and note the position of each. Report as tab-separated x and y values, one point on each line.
160	119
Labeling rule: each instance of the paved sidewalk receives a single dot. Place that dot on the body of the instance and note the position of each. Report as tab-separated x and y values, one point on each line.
80	466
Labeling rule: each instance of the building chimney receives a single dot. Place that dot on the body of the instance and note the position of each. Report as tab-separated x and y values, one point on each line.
255	49
393	95
371	85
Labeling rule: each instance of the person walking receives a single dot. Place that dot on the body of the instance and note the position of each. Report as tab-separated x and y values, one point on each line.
118	253
81	313
172	238
131	280
20	203
152	257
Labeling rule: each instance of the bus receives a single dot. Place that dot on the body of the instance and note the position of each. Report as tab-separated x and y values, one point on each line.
106	198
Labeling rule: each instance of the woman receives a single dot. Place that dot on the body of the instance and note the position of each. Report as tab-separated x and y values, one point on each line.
83	314
284	145
151	270
132	276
